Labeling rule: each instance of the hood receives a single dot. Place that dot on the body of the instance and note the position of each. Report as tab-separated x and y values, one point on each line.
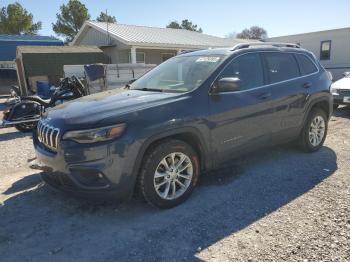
97	107
343	83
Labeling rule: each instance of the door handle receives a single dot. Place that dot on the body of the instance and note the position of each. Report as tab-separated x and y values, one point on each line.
307	85
264	96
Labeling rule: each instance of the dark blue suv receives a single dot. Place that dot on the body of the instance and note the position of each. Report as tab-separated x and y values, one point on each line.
190	114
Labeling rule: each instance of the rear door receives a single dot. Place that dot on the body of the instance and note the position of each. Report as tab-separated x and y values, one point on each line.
289	92
241	119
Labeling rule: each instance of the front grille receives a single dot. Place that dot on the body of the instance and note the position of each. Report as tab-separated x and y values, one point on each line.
48	135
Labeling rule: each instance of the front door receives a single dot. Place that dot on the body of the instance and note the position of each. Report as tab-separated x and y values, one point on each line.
241	120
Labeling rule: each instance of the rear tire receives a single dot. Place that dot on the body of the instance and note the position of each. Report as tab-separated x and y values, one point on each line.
314	131
169	174
25	128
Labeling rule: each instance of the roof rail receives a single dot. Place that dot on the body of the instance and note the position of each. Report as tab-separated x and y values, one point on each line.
274	44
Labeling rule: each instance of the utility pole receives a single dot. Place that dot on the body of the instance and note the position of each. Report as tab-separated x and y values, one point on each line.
108	36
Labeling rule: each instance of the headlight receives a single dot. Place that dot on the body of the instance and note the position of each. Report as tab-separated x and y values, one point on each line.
96	134
334	90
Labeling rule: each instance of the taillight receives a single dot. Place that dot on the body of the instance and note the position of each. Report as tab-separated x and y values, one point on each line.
7	110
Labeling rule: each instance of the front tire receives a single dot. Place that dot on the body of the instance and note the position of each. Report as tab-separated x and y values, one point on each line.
314	131
169	174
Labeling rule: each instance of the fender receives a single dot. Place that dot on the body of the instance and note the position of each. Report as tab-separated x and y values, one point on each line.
206	162
324	98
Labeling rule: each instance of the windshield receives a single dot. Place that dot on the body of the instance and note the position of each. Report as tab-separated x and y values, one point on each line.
179	74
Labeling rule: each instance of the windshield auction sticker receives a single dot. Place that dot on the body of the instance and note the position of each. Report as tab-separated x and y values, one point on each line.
208	59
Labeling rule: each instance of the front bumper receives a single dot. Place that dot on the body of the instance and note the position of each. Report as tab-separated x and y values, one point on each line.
341	98
102	170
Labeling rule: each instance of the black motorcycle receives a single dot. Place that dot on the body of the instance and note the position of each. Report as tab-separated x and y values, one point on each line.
25	111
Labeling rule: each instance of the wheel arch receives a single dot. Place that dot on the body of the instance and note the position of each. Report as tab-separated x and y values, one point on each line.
189	135
325	103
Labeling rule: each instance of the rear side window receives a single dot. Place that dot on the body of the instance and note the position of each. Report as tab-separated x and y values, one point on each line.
248	69
281	67
306	65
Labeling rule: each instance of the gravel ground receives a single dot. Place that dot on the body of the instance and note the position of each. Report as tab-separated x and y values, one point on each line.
276	204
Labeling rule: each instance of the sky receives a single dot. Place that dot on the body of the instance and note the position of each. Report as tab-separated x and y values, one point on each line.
215	17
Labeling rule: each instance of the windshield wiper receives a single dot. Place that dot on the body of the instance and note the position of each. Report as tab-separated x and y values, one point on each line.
149	89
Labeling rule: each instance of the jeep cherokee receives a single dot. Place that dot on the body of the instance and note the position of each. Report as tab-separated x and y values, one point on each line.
188	115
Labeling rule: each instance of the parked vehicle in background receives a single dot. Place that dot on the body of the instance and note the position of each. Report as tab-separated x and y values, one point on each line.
25	111
190	114
341	91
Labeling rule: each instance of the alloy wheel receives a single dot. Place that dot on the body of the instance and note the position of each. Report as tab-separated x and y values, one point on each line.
173	176
317	130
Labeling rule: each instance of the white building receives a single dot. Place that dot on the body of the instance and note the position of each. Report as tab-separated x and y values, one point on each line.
332	48
142	44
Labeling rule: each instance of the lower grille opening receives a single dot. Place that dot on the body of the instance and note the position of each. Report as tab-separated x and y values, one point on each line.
89	178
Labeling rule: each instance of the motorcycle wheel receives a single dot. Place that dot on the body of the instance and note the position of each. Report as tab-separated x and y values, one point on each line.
26	127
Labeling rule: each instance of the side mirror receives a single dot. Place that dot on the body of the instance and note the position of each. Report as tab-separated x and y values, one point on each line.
127	86
227	84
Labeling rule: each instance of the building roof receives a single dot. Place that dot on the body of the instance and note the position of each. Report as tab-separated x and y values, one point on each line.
312	33
9	43
58	49
30	38
144	36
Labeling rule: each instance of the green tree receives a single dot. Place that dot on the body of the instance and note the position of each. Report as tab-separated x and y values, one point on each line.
104	17
70	19
255	32
15	20
185	24
174	25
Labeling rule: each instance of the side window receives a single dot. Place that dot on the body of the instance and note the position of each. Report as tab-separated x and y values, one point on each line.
248	69
325	52
281	67
306	65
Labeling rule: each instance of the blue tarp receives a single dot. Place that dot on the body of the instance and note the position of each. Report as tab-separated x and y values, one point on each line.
9	43
95	71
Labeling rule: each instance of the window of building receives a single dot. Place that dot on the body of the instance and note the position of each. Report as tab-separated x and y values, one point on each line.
306	65
281	67
140	57
248	68
166	56
325	53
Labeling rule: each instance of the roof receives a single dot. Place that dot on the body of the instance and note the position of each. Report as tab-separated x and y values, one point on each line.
58	49
312	33
30	38
9	43
142	36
